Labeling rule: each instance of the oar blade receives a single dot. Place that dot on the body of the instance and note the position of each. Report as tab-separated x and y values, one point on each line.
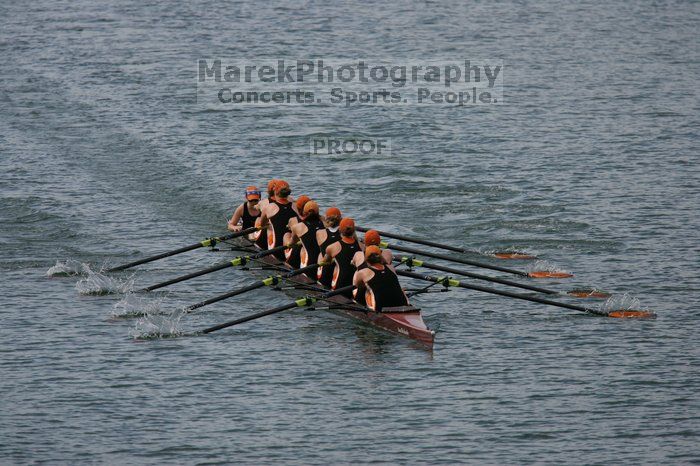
548	274
589	293
513	255
631	314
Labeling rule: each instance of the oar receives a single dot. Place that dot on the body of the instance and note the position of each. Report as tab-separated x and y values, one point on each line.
620	313
424	242
238	261
301	302
536	274
202	244
272	280
413	262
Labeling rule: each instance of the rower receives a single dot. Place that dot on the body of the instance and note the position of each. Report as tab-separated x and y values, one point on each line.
305	231
275	216
372	238
325	238
261	235
341	253
293	255
247	212
379	283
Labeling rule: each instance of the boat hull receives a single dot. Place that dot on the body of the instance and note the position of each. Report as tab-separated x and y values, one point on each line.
407	323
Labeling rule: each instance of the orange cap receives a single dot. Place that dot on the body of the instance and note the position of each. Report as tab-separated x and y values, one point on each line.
333	212
271	185
310	206
347	226
372	250
282	185
252	193
301	202
372	238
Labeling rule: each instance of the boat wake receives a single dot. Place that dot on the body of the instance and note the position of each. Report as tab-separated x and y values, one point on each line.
97	284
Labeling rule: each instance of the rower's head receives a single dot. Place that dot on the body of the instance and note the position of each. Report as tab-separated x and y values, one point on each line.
271	188
311	210
282	190
347	227
373	255
301	202
252	194
333	217
372	238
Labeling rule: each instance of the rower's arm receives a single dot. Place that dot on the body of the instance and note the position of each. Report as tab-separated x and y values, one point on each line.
237	214
264	221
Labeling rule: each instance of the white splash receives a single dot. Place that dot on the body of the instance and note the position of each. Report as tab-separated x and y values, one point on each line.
544	266
623	301
132	305
67	268
155	326
95	283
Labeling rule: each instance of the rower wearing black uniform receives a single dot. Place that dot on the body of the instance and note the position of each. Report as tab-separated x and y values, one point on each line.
261	235
245	214
325	238
341	253
379	282
275	216
293	255
305	231
372	238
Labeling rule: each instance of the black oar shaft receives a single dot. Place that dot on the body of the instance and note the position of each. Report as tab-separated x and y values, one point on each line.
301	302
416	240
224	265
454	259
499	292
205	243
269	281
418	263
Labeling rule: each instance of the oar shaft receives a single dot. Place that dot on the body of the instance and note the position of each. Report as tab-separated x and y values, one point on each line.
502	293
207	242
224	265
418	263
269	281
455	259
221	297
416	240
301	302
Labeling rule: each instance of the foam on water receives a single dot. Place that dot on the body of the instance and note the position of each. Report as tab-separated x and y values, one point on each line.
133	305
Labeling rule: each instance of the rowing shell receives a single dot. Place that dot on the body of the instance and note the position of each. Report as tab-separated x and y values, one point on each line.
405	320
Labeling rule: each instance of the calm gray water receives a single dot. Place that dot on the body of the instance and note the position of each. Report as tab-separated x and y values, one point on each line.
591	163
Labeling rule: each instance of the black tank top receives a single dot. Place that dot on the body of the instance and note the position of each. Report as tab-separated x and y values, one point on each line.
278	227
386	289
248	220
344	266
309	243
325	273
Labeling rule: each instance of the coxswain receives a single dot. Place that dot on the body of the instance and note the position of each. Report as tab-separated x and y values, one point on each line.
245	214
341	254
325	238
305	231
378	282
293	255
276	215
